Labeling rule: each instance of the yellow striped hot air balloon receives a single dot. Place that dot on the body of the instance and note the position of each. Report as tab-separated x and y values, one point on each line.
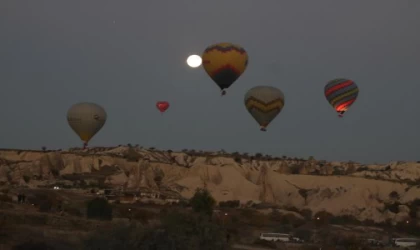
86	119
264	103
224	63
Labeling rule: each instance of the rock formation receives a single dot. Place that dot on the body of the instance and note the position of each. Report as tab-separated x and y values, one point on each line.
364	191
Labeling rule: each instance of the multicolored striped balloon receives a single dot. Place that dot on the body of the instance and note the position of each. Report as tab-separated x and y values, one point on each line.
341	94
224	63
264	103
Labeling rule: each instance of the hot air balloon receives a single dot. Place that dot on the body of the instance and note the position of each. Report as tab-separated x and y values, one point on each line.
86	119
341	94
162	106
264	103
224	63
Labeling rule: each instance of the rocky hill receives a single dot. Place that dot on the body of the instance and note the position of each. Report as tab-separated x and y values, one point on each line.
375	192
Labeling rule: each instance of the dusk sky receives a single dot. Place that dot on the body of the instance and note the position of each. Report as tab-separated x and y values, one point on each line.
56	53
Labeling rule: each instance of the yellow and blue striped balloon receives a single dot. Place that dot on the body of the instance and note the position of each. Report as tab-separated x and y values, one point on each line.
264	103
224	63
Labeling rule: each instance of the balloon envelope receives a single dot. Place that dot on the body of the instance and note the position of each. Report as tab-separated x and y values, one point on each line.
341	94
162	106
264	103
224	63
86	119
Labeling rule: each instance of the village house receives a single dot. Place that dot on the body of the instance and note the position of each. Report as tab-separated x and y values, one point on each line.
127	199
172	200
150	195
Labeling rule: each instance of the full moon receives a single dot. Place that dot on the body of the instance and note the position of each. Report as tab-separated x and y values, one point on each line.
194	61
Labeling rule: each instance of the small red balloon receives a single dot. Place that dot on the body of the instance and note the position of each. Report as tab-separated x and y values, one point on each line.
162	106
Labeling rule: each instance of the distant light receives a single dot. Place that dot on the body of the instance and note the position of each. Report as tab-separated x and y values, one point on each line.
194	61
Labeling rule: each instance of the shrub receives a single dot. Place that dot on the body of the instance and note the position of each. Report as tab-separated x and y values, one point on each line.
184	203
295	169
253	218
306	213
414	205
5	198
55	172
409	227
290	219
394	195
158	179
45	205
131	155
276	216
369	222
26	178
303	234
310	247
284	229
73	211
263	205
143	215
237	159
32	245
393	207
360	169
344	219
99	209
231	203
265	243
348	242
177	231
338	171
322	217
416	202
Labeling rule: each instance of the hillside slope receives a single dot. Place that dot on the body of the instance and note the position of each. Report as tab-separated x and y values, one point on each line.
364	191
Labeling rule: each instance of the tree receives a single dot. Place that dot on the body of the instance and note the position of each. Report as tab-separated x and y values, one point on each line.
158	180
394	195
177	231
322	218
99	209
203	202
131	155
304	234
202	233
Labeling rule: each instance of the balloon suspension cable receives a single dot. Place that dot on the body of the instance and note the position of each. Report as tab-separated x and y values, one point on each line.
223	92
